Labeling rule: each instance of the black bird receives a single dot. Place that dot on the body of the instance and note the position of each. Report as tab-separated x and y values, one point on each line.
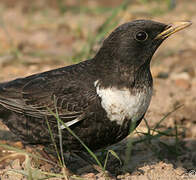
97	98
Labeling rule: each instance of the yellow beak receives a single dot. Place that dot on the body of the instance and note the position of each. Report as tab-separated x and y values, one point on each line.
173	28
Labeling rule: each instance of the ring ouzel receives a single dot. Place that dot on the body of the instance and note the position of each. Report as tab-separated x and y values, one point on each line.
98	98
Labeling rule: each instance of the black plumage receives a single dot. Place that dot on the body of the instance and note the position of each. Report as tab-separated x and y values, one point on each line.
123	62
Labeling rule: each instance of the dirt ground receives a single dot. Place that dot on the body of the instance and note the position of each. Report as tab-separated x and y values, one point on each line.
42	35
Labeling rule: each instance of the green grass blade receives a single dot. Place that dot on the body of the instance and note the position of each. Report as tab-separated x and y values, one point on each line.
82	143
53	141
113	154
106	160
168	114
145	138
129	144
60	133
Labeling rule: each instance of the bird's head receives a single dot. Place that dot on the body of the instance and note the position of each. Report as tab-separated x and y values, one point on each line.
132	45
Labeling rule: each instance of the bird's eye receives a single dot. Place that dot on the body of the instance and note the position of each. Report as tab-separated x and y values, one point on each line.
141	36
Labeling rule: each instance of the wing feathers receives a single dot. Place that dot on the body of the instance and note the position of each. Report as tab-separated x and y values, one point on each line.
70	123
33	95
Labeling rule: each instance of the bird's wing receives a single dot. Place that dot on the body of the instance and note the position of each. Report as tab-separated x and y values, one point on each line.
38	95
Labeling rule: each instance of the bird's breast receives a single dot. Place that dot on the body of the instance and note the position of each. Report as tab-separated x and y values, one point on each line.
121	104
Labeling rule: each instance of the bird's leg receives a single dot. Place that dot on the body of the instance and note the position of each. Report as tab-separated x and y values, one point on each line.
51	159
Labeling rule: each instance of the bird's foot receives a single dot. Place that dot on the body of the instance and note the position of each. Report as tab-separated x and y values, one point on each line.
103	173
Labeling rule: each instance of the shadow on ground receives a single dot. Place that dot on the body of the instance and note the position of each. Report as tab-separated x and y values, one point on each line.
146	158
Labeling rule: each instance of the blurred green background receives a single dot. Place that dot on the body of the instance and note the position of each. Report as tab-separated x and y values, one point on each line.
55	32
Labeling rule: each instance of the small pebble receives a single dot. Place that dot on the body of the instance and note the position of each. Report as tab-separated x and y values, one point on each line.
185	84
